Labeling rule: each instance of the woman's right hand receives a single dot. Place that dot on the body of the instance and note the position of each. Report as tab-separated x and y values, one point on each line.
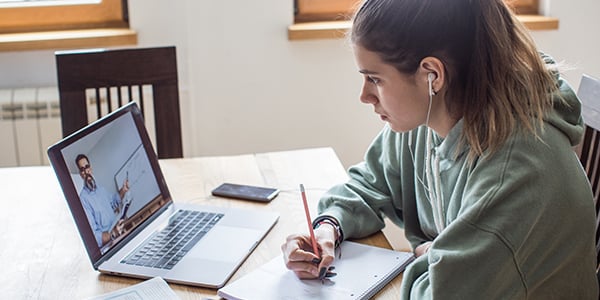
299	257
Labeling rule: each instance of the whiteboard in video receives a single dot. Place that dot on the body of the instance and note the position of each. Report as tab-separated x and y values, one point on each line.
142	184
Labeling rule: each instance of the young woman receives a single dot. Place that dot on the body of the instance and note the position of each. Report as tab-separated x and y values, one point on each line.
475	163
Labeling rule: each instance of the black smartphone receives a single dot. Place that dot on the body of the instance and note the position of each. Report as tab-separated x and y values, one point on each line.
246	192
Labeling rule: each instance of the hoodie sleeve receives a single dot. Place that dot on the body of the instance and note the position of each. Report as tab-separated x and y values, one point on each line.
376	188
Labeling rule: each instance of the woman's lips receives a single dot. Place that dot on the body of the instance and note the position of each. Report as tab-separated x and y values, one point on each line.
382	117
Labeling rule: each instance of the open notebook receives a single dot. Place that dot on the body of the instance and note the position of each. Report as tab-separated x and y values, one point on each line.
362	271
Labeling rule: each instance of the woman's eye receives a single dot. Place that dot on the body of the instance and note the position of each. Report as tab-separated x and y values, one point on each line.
373	80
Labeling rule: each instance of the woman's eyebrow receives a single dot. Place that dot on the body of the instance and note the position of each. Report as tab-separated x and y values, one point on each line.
367	72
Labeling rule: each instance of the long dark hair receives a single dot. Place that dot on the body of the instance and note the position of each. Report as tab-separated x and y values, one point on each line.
496	79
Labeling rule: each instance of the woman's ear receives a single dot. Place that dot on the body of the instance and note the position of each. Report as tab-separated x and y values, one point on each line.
433	68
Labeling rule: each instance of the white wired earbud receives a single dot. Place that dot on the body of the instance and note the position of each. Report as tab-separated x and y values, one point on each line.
432	174
432	187
429	193
430	78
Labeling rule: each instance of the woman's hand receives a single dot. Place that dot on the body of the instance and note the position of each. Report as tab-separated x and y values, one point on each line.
422	249
298	255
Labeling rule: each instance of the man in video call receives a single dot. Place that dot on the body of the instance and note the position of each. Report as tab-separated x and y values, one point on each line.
101	207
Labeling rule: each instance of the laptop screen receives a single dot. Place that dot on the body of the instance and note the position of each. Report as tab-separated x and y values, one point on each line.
108	179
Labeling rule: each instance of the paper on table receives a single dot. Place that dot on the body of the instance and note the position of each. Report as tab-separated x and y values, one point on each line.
151	289
362	271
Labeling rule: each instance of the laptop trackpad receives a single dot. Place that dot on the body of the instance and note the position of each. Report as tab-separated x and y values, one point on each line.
223	243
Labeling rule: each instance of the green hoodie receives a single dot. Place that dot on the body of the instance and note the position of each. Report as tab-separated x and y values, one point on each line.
519	224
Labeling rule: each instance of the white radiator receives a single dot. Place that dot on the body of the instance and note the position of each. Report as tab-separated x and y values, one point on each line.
29	123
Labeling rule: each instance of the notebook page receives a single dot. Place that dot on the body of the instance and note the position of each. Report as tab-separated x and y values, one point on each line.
362	271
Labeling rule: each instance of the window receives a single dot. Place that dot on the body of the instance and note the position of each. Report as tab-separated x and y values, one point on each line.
319	10
56	24
330	10
525	7
315	19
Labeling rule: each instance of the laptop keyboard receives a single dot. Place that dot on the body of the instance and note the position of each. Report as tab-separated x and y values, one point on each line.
168	246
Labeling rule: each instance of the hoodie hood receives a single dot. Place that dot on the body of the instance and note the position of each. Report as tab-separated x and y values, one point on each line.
566	112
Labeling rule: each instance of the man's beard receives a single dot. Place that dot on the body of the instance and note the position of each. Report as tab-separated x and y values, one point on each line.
90	182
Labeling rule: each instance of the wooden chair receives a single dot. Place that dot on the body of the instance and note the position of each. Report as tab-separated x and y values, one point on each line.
93	83
589	151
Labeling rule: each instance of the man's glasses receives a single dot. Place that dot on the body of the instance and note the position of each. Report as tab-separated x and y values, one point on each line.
83	168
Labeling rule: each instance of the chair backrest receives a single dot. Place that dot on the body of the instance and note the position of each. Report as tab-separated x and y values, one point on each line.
92	83
589	94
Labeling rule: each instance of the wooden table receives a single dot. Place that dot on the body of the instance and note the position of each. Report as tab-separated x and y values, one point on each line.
42	256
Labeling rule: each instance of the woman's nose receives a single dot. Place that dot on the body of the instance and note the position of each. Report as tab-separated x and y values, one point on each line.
367	96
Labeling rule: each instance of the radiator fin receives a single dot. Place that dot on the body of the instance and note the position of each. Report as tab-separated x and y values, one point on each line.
29	124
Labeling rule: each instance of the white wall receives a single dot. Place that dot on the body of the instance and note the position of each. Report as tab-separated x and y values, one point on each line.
577	42
246	88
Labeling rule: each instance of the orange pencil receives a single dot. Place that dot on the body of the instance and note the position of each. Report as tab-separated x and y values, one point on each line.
309	222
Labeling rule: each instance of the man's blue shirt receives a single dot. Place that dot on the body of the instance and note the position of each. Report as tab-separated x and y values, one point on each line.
99	207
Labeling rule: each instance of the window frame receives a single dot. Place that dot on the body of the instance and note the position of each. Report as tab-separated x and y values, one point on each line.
338	10
106	14
330	19
68	26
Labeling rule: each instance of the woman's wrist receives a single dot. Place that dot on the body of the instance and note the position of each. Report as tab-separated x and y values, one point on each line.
326	220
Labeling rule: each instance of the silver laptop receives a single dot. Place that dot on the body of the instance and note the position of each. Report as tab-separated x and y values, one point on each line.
130	226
